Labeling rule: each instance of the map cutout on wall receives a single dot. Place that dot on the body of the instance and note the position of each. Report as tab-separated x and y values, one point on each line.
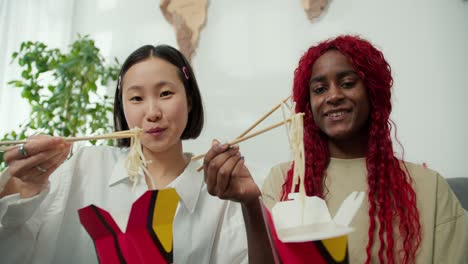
188	18
314	8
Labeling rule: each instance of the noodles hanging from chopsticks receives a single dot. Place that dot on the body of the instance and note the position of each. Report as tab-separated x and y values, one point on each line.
296	143
136	160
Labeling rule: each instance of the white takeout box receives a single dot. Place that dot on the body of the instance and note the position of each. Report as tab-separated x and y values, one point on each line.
306	218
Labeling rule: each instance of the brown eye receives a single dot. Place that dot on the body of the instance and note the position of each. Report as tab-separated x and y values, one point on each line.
319	89
348	82
348	85
136	98
166	93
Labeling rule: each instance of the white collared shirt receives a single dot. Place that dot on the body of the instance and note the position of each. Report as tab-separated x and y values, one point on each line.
46	228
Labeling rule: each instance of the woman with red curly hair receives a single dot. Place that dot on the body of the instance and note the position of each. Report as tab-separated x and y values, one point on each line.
343	86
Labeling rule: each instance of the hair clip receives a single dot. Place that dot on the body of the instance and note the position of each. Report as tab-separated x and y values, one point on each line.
185	73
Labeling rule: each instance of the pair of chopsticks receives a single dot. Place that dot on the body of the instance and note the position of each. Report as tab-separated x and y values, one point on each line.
243	137
7	145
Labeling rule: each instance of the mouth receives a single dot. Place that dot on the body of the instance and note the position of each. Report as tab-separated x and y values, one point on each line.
337	114
155	130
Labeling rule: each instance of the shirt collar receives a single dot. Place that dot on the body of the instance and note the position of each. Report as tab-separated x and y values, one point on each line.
119	172
188	185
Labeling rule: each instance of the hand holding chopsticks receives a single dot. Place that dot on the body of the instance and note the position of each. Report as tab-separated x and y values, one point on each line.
243	136
226	175
6	145
238	140
33	160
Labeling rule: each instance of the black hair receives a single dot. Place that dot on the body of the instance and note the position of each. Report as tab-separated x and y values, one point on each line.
195	117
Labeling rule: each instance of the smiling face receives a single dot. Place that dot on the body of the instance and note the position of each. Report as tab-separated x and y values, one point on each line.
338	98
154	99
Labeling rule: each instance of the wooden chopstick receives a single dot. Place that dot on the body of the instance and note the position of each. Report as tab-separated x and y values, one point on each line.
106	136
251	127
12	142
120	134
263	117
5	148
238	140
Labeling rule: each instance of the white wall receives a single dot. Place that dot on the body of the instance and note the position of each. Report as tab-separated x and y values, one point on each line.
27	20
249	49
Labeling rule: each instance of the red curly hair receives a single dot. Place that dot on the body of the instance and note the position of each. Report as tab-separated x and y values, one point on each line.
392	199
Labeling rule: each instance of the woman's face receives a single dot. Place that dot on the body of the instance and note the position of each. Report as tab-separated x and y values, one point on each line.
154	99
338	98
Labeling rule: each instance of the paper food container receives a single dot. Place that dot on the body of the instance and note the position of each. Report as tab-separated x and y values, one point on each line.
148	237
302	230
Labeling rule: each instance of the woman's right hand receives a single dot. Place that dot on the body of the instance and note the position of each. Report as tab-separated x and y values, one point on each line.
31	164
227	177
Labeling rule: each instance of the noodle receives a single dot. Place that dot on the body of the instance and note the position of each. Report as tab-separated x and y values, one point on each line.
296	143
136	159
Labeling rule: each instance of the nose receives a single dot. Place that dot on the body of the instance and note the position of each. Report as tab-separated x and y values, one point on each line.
154	112
335	95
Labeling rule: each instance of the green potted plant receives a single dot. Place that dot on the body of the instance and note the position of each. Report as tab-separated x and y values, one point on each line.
63	90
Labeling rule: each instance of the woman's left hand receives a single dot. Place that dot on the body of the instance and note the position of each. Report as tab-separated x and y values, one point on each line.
226	175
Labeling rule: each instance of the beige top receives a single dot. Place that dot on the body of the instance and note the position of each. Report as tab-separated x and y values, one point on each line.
443	220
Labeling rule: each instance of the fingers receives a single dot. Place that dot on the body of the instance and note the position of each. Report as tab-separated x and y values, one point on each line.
225	175
216	149
40	171
44	155
237	173
212	168
41	177
33	146
239	166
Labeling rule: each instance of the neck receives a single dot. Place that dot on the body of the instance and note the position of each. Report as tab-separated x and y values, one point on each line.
165	166
348	149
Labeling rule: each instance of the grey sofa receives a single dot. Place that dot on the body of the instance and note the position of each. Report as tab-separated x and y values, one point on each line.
460	188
